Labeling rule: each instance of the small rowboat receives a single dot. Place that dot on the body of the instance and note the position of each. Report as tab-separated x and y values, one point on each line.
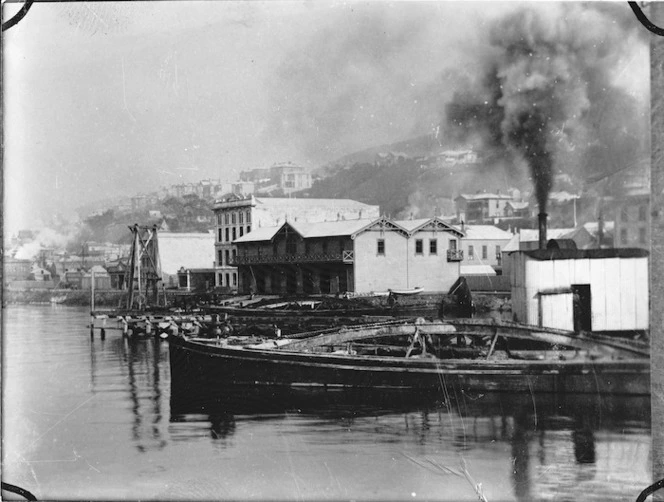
468	355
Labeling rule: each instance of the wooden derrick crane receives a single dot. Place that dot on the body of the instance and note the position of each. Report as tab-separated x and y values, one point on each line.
144	268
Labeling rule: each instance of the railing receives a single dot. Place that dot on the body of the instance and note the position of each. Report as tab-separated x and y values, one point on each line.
254	259
453	255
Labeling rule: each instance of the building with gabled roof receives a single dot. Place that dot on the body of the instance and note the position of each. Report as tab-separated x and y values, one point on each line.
483	245
360	255
188	250
237	215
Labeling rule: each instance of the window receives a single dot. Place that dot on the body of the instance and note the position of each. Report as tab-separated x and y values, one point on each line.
233	218
248	229
220	280
624	214
471	253
623	236
220	260
234	233
642	235
219	239
642	213
241	217
234	279
433	246
498	252
418	246
241	231
453	245
248	217
228	256
485	252
380	246
218	218
228	279
226	218
227	234
291	245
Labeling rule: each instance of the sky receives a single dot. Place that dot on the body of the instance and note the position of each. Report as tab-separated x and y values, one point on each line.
109	98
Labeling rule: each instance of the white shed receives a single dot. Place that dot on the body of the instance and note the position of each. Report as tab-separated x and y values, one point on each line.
588	290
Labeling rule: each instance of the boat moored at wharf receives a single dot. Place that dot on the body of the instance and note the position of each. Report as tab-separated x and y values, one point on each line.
463	354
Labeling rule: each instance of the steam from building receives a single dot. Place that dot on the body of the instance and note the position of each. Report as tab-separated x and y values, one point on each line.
550	92
44	238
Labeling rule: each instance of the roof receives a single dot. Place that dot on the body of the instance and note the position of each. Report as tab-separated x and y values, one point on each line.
476	270
562	196
189	250
530	235
484	196
578	254
518	205
308	230
340	228
411	225
485	232
290	202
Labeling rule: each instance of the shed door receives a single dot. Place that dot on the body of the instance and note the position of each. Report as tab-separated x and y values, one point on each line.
582	307
556	311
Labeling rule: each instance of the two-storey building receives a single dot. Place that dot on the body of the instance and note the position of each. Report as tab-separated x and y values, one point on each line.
483	245
238	215
359	255
481	207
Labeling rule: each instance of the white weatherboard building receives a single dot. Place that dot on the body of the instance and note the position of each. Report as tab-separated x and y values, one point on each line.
589	290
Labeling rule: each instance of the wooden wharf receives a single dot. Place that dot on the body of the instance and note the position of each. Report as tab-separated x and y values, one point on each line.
210	323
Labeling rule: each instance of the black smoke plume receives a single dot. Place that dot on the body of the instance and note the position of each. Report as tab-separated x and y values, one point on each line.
548	93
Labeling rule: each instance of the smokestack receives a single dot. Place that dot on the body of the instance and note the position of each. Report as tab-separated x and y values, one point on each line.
542	230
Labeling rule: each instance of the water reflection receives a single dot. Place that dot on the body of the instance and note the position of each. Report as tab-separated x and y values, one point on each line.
556	443
141	362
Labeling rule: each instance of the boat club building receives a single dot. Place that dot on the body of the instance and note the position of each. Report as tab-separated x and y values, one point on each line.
238	215
603	290
360	255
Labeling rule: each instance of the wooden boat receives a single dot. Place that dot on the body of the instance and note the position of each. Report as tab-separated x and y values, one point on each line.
465	355
406	292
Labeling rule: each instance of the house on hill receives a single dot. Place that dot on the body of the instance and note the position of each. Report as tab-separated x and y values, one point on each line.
481	207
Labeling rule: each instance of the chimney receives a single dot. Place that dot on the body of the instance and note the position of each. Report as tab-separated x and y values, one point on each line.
542	230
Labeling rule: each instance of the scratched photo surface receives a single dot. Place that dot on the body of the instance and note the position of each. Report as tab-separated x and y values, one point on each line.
123	113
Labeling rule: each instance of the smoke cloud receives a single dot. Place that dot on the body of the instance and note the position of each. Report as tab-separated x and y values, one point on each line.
549	92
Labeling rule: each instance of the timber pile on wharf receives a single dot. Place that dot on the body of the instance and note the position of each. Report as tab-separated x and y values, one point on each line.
251	317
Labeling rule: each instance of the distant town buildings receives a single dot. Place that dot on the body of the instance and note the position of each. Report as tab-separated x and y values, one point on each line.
285	177
632	219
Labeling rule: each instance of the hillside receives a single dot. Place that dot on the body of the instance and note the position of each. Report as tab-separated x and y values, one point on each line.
412	179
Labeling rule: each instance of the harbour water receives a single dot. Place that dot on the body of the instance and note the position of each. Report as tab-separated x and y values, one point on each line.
85	418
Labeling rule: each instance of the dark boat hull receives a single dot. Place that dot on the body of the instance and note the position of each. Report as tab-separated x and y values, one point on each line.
196	364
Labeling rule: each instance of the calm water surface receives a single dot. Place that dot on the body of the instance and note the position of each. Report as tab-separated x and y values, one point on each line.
90	419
